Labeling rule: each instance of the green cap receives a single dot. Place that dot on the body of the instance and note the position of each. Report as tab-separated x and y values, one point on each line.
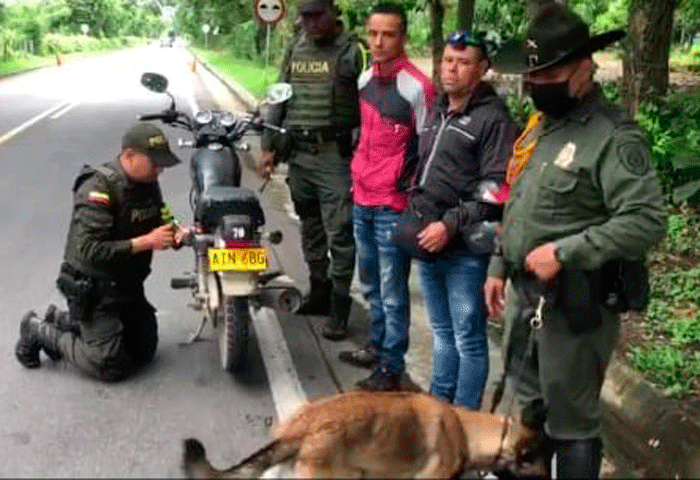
150	140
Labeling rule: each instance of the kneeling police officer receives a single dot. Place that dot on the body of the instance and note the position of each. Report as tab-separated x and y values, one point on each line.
110	329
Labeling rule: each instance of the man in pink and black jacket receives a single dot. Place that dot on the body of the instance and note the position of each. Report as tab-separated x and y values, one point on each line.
394	100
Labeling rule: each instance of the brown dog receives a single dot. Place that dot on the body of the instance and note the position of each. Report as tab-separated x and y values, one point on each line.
365	434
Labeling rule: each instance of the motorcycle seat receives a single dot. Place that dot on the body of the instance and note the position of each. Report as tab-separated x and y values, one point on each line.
217	201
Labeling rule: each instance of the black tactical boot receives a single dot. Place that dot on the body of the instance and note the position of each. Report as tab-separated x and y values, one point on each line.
35	334
61	320
318	302
28	347
336	328
579	458
381	380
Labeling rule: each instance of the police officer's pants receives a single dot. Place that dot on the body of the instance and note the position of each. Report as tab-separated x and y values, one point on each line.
564	370
320	189
117	339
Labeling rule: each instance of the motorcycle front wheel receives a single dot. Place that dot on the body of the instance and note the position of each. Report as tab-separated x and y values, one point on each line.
232	327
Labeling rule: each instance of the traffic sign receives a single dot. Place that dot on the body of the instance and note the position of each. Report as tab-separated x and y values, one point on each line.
269	12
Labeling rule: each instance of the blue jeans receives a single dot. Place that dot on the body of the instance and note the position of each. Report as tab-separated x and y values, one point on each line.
384	270
452	288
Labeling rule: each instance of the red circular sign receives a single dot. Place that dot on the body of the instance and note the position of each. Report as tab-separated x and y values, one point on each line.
269	12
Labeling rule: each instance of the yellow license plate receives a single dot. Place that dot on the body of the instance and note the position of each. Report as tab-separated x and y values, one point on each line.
237	259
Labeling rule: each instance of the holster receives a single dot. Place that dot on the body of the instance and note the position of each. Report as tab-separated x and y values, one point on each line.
625	285
80	294
618	286
579	298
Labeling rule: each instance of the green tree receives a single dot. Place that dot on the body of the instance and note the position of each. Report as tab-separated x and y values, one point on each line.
648	43
688	20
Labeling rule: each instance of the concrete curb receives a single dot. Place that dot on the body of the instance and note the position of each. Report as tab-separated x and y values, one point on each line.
654	434
241	94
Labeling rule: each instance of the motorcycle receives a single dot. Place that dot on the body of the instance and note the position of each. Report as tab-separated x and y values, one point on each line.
230	261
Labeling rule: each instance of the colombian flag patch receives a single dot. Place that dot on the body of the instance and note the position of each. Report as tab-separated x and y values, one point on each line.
98	197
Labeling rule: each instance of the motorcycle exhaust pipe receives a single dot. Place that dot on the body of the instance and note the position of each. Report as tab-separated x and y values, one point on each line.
285	299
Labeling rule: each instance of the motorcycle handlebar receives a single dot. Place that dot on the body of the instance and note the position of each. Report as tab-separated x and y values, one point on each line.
150	116
166	117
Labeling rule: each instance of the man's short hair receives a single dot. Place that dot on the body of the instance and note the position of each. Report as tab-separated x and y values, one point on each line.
390	8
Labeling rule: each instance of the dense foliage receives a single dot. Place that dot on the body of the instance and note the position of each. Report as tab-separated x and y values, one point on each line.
37	28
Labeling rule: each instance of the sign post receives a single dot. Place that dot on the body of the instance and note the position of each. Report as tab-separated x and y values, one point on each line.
269	13
205	30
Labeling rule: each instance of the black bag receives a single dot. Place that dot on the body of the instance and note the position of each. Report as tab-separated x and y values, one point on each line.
408	226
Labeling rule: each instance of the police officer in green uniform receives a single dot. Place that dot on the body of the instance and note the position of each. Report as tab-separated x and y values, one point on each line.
322	64
584	208
110	328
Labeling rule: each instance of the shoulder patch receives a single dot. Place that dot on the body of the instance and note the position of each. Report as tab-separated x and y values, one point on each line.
635	157
101	198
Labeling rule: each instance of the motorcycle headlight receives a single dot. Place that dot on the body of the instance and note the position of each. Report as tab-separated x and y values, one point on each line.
203	117
227	119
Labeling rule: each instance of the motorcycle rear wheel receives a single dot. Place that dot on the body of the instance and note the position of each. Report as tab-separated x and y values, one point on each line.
233	327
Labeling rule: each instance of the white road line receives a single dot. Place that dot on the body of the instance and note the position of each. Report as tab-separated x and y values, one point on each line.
31	122
287	392
62	111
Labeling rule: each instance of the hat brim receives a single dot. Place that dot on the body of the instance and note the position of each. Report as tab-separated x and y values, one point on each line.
314	7
511	57
164	159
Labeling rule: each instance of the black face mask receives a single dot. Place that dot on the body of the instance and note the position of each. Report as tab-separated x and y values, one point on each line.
551	98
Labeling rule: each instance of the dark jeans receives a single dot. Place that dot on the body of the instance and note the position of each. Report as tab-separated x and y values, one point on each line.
452	288
384	270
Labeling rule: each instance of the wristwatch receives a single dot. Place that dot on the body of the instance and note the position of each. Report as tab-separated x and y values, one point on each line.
557	253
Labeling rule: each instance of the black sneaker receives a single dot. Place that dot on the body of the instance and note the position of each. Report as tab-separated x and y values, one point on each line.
366	357
381	380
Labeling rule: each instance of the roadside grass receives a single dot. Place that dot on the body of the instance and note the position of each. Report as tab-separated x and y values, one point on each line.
668	354
685	59
249	74
22	64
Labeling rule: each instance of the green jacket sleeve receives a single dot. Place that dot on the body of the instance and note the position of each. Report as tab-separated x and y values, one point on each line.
632	195
93	224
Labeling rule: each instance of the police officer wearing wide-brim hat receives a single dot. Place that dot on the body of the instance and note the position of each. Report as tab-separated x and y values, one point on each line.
584	208
110	329
322	64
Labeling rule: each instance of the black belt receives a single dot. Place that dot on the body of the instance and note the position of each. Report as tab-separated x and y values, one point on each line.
103	281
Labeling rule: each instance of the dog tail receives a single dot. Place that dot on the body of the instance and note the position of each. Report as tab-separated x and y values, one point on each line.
196	465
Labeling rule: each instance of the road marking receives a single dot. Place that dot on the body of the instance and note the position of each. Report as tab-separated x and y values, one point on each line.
62	111
287	392
31	122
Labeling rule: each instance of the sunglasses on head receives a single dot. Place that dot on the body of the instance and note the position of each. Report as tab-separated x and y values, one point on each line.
462	39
